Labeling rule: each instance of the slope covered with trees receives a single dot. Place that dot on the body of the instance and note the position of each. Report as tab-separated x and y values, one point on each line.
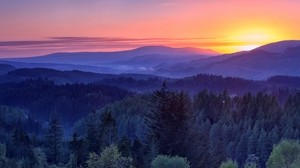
72	101
143	130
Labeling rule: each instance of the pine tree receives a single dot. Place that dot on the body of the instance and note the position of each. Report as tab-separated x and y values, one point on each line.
216	146
138	156
168	122
175	130
3	159
54	139
79	149
72	162
39	158
261	147
108	130
124	146
241	149
199	150
92	133
252	161
110	157
159	104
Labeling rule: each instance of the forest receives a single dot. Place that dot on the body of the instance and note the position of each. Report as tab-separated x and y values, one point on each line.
93	125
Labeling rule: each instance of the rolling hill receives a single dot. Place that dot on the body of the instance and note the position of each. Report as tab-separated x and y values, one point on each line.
279	58
96	58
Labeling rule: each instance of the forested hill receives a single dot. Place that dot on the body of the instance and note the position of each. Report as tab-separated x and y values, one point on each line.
73	119
142	83
138	130
73	93
72	101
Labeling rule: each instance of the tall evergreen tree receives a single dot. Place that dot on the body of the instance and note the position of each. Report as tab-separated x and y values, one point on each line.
216	146
92	136
2	155
108	130
138	155
54	139
159	104
168	121
261	147
241	149
79	149
124	146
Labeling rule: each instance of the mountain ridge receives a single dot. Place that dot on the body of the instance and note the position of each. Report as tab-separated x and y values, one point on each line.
279	58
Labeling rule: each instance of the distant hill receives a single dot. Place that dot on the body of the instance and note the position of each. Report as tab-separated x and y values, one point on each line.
280	46
142	83
4	68
281	58
62	77
96	58
141	60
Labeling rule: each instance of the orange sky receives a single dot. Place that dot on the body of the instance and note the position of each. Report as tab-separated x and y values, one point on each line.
221	25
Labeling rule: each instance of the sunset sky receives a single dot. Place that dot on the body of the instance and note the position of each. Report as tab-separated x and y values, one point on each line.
35	27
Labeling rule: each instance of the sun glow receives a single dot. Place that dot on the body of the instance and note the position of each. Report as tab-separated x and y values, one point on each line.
248	38
247	47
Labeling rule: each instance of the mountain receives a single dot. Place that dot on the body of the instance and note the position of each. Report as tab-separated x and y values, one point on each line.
281	46
145	83
164	50
140	60
280	58
98	58
62	77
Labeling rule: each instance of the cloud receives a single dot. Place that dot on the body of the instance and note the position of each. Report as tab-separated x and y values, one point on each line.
77	44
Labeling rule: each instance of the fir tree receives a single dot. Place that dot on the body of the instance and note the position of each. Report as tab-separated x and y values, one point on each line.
54	139
92	133
108	130
138	155
124	146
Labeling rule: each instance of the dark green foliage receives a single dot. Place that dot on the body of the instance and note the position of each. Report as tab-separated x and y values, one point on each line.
79	149
92	132
124	146
138	155
71	101
163	161
108	130
2	155
54	140
285	155
216	146
168	121
110	157
21	142
129	114
252	161
207	130
229	164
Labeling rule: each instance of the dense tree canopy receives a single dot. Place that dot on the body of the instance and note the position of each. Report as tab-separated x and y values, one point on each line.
144	130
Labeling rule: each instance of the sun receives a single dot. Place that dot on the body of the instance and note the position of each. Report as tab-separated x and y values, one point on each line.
252	40
247	38
247	47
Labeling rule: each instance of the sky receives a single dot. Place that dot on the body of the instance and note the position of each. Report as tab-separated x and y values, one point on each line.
37	27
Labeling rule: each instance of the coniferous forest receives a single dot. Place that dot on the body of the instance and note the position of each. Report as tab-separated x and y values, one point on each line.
46	125
149	84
